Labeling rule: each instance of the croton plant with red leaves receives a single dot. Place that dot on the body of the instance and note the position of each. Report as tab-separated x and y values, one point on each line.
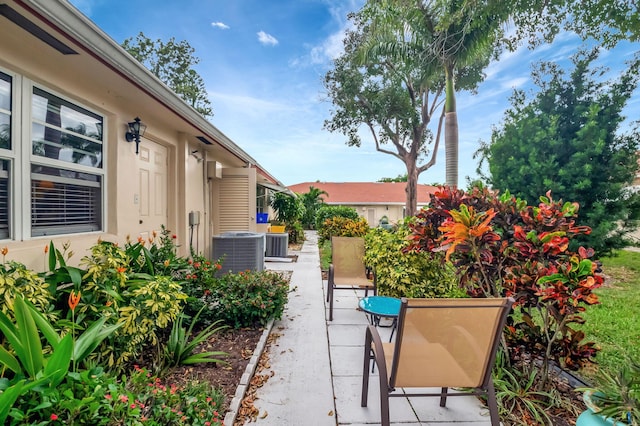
501	246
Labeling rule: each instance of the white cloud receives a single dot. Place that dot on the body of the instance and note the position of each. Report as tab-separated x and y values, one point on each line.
267	39
249	104
220	25
331	48
515	82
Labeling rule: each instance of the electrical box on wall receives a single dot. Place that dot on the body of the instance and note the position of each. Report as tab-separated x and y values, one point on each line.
214	170
194	218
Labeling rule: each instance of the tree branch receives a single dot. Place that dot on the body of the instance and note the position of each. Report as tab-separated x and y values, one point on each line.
432	161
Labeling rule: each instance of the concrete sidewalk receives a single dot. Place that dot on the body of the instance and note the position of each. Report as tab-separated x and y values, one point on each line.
317	365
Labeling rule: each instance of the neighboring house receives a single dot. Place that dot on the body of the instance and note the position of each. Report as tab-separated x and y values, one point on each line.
67	171
372	200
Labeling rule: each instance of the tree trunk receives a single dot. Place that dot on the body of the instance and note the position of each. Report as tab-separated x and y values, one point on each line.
451	130
451	148
411	205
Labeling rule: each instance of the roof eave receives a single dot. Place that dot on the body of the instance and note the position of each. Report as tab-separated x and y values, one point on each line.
69	20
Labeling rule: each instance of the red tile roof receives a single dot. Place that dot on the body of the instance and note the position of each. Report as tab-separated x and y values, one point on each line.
365	192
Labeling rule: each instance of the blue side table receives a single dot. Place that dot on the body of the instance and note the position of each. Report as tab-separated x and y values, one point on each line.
381	306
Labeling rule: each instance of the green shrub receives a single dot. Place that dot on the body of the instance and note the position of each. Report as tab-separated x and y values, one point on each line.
93	397
15	280
289	209
145	304
151	306
343	227
80	399
325	255
500	246
296	232
327	212
249	298
180	347
198	279
410	274
193	403
160	258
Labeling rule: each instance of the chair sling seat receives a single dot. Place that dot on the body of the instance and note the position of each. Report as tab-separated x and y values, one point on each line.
440	343
347	270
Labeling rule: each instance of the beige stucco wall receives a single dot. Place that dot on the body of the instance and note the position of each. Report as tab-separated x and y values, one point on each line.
374	212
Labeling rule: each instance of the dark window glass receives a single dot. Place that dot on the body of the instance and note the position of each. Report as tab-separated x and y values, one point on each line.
64	131
5	111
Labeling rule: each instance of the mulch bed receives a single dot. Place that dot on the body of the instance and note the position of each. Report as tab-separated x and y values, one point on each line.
239	344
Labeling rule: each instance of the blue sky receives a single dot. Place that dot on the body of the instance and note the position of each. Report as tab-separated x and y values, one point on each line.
263	63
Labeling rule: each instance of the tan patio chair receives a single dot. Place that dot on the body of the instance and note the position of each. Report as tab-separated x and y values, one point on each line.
440	343
347	270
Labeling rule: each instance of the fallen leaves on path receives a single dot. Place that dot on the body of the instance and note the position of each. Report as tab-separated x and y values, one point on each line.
248	411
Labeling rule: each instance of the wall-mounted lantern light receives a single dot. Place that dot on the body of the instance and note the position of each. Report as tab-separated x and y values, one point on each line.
136	131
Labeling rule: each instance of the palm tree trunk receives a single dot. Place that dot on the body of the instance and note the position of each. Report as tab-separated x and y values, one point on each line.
451	130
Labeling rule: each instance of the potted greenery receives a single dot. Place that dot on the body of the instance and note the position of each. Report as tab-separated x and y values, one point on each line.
615	400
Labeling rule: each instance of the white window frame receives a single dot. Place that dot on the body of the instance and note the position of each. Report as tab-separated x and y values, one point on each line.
21	158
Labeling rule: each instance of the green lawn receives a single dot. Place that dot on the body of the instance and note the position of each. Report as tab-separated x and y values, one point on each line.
325	255
614	324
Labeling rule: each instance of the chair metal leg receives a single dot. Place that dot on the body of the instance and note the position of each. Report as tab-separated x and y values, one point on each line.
493	405
443	396
330	303
384	402
365	370
331	308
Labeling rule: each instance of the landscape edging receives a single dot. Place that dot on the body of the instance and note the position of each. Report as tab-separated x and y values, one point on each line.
245	380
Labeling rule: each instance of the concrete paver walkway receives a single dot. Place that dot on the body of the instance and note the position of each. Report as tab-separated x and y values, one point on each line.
317	365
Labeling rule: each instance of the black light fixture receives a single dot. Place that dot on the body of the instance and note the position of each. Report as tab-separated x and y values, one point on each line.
136	131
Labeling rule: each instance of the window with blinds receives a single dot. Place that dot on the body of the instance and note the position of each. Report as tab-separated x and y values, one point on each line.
5	144
64	201
58	161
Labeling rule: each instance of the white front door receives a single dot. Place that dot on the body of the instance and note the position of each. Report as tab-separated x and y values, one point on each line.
371	217
152	175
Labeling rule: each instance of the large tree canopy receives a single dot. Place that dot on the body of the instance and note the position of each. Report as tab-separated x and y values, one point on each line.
607	21
393	99
458	35
389	82
568	140
172	62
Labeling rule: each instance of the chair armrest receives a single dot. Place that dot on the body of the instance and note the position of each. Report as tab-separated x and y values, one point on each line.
378	350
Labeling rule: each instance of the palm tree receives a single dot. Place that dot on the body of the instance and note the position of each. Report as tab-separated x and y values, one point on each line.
458	35
312	201
465	35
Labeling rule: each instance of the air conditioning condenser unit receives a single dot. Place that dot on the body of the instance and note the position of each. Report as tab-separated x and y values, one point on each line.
239	251
277	244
